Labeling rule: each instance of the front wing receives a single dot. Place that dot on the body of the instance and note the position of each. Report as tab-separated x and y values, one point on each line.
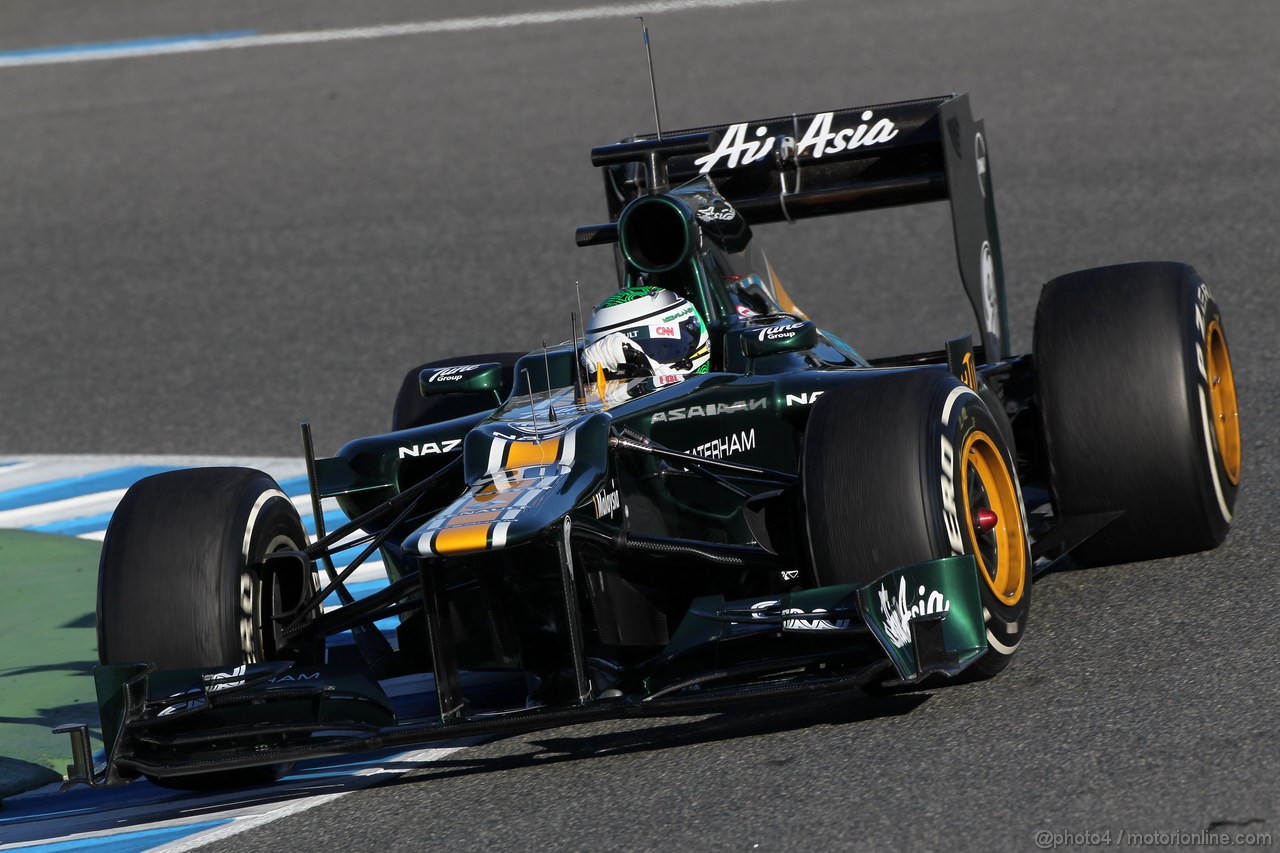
919	620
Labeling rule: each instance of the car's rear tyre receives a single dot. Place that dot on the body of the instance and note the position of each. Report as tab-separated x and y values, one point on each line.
1138	403
414	410
178	585
895	469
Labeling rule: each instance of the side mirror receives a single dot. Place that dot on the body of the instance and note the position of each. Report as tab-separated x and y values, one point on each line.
781	337
460	379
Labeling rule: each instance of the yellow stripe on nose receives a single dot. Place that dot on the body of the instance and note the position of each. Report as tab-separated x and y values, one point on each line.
460	540
521	454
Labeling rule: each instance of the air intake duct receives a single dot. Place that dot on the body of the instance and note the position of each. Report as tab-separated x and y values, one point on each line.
657	233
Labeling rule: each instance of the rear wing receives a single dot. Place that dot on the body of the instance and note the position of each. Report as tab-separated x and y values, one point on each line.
861	158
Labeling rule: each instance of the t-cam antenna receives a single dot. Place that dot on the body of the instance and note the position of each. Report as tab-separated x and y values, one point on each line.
546	365
579	394
577	290
653	85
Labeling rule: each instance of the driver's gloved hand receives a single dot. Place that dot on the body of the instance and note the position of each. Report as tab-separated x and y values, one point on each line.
614	352
620	390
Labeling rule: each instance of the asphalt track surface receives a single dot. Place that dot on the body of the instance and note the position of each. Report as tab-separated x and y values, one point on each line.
201	250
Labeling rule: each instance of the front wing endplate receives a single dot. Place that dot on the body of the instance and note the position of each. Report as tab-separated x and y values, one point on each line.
928	617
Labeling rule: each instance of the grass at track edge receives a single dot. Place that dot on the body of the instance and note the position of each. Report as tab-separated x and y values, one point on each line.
48	646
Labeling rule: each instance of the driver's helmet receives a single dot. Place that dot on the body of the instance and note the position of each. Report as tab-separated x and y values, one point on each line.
664	334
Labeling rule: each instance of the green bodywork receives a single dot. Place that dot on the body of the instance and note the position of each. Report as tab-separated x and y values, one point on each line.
769	369
946	590
658	545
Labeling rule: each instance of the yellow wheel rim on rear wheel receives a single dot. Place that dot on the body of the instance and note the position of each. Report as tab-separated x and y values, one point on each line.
1222	401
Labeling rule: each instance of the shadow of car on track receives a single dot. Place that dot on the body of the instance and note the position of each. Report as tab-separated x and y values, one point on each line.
766	718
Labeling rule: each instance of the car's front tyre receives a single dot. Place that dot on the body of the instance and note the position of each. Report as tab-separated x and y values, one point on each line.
179	582
908	467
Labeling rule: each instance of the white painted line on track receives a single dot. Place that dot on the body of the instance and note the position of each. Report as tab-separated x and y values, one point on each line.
136	824
97	53
65	508
149	823
86	515
242	824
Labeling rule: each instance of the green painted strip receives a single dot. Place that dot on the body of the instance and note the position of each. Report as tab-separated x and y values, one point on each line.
48	646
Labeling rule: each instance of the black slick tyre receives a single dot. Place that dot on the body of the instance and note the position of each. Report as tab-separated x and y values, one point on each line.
414	410
178	584
1137	400
907	467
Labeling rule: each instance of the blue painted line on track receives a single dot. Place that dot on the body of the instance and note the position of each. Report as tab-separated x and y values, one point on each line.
128	44
128	842
74	487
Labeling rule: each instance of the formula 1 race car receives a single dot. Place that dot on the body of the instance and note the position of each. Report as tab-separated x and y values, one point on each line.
795	519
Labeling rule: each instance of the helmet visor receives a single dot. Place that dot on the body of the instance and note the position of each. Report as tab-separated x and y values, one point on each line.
670	344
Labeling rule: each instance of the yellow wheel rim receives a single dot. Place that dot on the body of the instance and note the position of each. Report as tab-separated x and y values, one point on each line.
1001	551
1222	401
